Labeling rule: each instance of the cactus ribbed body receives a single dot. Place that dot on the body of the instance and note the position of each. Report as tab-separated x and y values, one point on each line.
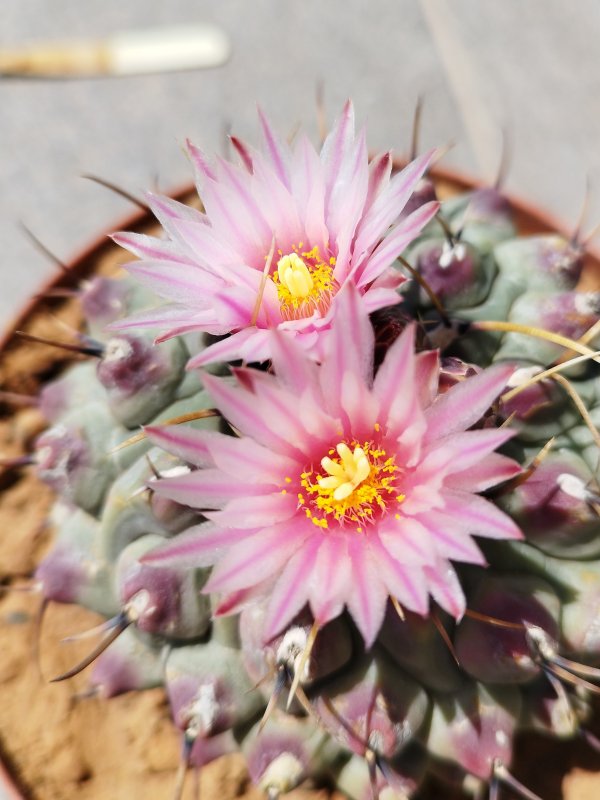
439	691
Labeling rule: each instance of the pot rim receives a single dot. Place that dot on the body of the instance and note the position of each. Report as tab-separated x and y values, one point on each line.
543	220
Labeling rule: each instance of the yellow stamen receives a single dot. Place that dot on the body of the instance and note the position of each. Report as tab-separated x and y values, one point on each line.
294	275
354	487
304	282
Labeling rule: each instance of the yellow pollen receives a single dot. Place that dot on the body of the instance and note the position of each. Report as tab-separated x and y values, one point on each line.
304	282
355	485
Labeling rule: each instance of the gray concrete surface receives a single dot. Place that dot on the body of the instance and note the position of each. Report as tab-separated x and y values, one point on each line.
536	64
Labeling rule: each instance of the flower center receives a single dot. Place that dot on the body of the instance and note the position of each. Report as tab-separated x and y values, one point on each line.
357	482
304	282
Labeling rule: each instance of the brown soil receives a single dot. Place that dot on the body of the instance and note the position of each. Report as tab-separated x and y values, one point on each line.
59	746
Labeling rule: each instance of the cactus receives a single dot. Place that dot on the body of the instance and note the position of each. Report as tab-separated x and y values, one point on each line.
355	558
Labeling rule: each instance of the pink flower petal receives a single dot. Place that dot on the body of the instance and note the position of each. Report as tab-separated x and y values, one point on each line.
201	164
367	597
427	372
215	254
395	383
186	443
253	512
450	541
389	203
290	592
246	460
347	198
446	589
336	147
235	602
462	450
396	242
256	559
228	349
144	246
199	546
482	517
175	316
275	405
308	187
329	579
244	152
275	149
291	366
380	170
205	488
168	211
404	582
350	346
407	541
494	469
172	280
466	402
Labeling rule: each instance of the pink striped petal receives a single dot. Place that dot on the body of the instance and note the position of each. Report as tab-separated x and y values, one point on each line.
404	582
395	380
235	602
347	198
388	205
396	242
256	559
360	406
329	579
239	182
249	461
290	593
463	450
186	443
228	349
380	170
466	402
350	345
174	315
168	212
216	254
205	488
144	246
376	298
200	546
407	541
367	597
494	469
242	411
200	162
446	589
275	149
482	517
174	280
308	187
427	373
450	541
336	148
254	512
244	152
294	370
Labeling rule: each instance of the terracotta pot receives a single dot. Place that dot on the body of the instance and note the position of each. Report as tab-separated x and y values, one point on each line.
60	747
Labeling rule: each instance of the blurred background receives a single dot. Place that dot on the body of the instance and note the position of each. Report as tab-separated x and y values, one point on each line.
529	68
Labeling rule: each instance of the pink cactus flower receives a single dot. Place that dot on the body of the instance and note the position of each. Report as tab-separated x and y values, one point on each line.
342	488
282	232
